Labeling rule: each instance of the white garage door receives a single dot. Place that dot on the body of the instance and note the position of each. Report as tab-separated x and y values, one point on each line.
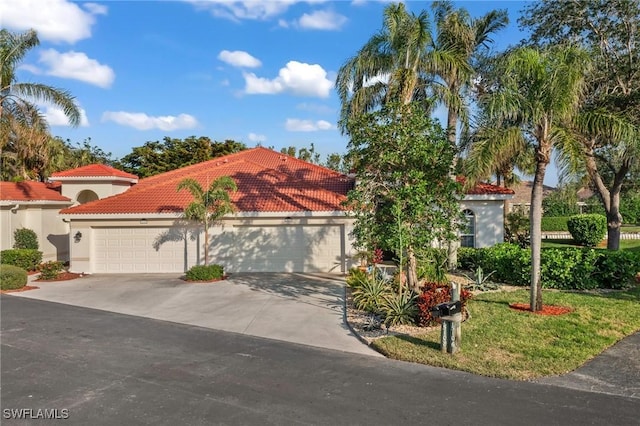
299	248
123	250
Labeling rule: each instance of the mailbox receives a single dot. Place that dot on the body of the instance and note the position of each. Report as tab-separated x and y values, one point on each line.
446	309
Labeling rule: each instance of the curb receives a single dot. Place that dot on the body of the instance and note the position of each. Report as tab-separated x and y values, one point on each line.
351	329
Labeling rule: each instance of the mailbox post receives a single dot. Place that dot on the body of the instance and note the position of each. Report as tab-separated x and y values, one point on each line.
451	315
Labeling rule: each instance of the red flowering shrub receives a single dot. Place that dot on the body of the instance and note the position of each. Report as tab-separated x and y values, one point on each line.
433	294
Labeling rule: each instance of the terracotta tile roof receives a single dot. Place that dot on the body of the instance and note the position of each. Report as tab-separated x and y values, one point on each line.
523	192
94	170
482	188
267	182
29	191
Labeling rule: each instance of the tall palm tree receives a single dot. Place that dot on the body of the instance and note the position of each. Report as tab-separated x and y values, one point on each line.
393	66
539	96
13	48
210	205
464	36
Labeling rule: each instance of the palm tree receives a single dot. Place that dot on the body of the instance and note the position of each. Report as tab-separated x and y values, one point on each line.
459	33
208	206
539	95
14	95
393	66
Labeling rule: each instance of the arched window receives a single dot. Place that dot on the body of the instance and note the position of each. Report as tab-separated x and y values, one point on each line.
468	234
86	196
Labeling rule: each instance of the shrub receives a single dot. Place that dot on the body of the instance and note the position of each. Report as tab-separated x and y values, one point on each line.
356	277
616	269
516	229
50	270
630	208
399	308
468	258
25	238
12	277
587	229
369	296
554	223
433	294
569	268
432	265
205	273
27	259
511	263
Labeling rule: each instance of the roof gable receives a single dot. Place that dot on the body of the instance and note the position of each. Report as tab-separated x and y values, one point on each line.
93	170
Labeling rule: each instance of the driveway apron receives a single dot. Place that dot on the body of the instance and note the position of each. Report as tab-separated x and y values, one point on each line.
299	308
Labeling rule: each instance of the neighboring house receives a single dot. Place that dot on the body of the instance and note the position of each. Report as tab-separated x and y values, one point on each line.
521	201
35	205
289	218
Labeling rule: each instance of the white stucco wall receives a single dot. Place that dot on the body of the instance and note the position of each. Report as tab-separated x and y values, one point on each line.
102	189
489	216
43	219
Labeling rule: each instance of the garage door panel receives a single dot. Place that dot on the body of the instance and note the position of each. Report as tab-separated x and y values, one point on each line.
131	250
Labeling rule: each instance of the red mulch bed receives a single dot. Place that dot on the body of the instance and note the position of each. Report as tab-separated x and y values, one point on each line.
17	290
546	309
63	276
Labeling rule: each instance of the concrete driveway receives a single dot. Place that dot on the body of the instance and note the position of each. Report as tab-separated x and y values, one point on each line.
298	308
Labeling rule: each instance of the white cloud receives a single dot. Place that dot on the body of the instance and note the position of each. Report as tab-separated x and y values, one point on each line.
322	20
78	66
55	20
253	137
30	68
56	117
248	9
297	125
142	121
238	58
296	78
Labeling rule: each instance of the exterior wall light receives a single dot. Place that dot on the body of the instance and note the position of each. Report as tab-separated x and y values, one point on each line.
77	237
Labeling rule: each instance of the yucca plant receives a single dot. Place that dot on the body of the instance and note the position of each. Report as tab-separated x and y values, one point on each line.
480	281
369	295
400	308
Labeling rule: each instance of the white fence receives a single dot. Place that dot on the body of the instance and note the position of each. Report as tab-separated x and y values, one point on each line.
567	236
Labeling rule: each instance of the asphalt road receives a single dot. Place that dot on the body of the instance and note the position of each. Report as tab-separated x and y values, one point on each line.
112	369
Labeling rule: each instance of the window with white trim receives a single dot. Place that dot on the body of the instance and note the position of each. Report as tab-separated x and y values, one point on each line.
468	234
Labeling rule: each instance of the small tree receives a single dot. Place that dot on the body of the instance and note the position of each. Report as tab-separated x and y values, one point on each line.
208	206
405	198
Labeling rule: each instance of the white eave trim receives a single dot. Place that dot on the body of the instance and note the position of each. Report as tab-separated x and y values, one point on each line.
487	197
80	179
170	216
31	203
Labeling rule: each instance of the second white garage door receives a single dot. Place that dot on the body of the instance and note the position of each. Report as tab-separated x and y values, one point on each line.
299	248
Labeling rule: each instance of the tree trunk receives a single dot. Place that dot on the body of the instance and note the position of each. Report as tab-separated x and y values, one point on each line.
535	215
412	273
452	123
614	222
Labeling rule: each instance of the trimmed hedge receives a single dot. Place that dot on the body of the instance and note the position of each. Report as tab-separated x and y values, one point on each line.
568	268
12	277
587	229
205	273
27	259
554	223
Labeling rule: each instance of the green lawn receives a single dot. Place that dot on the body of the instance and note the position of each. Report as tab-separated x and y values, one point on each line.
631	245
501	342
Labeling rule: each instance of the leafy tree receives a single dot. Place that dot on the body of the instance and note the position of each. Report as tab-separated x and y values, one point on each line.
338	162
562	202
208	206
306	154
610	121
156	157
404	199
539	95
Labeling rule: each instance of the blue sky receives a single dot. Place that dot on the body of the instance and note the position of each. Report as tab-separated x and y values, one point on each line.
252	71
